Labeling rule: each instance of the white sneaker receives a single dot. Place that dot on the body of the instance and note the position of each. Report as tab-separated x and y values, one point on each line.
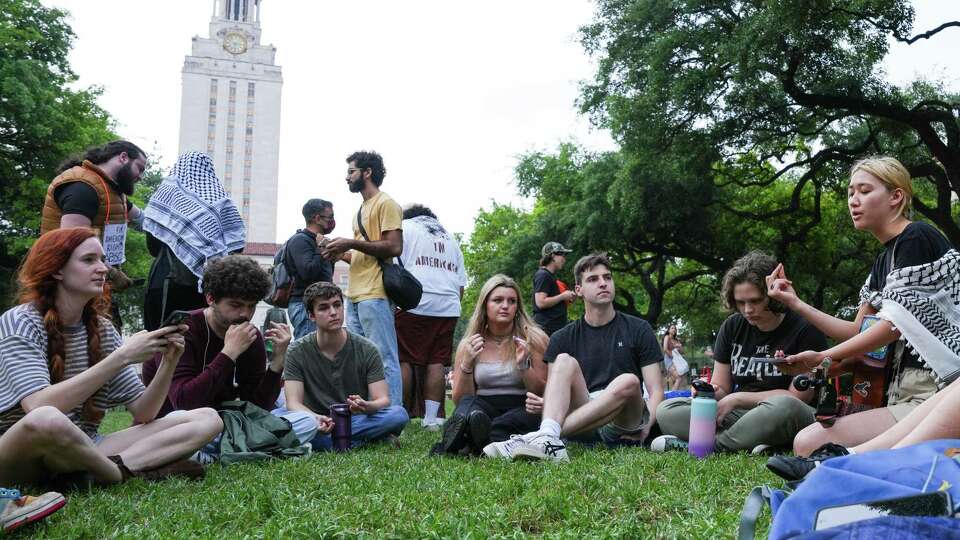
666	443
546	447
762	449
503	449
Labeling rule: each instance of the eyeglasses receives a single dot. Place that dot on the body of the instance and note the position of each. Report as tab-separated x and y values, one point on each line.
351	170
325	217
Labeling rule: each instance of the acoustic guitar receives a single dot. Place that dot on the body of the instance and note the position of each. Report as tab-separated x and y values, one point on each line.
869	375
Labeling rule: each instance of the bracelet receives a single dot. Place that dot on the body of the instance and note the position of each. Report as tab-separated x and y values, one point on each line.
465	371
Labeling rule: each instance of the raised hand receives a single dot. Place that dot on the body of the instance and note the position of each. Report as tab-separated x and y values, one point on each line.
279	335
238	339
474	347
780	288
522	352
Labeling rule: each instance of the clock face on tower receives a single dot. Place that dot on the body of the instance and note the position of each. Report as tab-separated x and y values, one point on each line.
235	43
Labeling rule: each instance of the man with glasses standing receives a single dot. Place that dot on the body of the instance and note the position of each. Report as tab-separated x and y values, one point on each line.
369	312
305	262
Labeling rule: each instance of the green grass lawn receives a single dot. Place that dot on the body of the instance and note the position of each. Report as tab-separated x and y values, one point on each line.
380	492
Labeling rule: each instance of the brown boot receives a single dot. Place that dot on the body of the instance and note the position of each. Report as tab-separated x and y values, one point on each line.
182	467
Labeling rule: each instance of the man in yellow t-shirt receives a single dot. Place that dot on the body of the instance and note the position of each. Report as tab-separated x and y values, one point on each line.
369	312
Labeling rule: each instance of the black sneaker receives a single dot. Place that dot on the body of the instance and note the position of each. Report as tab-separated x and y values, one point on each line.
793	468
479	430
454	434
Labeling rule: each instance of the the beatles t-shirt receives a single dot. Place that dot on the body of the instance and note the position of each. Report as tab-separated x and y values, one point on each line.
739	344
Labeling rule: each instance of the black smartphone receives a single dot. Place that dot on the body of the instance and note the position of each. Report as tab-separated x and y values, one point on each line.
925	504
175	318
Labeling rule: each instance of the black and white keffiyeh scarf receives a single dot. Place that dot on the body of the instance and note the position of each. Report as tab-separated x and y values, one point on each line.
923	303
192	214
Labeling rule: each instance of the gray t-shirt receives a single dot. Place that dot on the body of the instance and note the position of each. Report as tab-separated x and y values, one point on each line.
24	366
327	381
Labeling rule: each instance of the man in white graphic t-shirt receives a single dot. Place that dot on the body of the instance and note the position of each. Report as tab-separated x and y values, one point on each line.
425	334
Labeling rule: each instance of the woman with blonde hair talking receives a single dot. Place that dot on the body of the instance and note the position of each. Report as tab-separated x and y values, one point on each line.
498	364
912	294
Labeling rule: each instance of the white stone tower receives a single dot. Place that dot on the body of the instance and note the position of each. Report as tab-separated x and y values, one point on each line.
230	109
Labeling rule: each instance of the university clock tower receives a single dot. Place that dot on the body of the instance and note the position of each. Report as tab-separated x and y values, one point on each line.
230	110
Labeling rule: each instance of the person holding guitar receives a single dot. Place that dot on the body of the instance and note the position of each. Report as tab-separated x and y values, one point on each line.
879	199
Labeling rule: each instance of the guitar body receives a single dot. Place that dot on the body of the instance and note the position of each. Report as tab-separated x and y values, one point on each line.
869	384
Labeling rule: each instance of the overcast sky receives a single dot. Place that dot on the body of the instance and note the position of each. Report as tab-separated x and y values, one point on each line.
450	93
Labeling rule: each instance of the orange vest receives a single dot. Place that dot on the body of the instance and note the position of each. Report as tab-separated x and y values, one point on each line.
113	205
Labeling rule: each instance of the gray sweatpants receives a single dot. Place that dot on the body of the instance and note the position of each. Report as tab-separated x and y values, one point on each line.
774	421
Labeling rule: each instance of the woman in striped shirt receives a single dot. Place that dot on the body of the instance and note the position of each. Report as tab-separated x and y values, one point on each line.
62	364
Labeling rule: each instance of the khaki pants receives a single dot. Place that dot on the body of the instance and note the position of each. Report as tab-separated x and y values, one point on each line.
912	387
774	421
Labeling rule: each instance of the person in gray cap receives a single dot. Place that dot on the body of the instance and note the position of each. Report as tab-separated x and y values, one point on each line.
550	295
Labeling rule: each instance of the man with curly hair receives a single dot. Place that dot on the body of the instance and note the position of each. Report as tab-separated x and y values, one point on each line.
224	357
377	235
757	407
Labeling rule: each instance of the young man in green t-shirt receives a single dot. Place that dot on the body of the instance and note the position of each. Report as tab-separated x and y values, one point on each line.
333	365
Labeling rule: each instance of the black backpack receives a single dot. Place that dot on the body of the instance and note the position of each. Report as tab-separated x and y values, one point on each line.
282	280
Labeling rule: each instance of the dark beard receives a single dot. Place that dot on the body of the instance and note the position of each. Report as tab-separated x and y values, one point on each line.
357	185
125	179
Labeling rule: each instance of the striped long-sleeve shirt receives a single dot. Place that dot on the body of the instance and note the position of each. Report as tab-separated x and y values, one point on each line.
24	366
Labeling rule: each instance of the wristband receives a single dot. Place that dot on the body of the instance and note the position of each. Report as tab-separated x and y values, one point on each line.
465	371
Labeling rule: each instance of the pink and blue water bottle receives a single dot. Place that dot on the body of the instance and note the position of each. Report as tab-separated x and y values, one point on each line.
703	420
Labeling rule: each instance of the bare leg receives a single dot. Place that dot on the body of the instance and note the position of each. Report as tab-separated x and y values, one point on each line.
566	388
621	400
892	437
406	375
163	441
941	423
847	431
46	441
433	389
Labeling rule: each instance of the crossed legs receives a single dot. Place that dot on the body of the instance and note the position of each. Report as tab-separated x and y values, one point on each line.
45	441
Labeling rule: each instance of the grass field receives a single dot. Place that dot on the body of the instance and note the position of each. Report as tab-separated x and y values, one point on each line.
380	492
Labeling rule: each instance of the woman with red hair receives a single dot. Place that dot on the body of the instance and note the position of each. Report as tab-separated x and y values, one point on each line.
62	364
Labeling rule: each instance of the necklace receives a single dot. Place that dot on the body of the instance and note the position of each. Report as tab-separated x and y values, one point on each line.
499	340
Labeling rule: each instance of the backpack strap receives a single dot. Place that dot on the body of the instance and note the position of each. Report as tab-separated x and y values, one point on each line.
284	259
752	508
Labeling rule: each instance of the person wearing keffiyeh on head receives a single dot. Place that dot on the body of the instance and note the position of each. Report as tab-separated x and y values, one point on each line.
189	220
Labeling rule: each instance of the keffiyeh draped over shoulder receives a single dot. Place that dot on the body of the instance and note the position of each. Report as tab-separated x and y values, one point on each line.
923	303
191	213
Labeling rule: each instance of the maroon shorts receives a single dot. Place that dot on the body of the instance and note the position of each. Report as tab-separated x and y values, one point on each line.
423	340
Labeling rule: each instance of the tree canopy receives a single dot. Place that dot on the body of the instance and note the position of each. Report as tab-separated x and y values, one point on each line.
737	123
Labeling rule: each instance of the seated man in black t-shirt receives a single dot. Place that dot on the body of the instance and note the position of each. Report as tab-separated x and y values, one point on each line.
597	368
757	407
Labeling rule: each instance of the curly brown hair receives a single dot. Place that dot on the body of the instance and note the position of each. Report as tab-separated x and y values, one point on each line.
752	268
235	276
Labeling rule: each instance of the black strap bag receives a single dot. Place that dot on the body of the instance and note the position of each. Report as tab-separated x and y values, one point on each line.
403	289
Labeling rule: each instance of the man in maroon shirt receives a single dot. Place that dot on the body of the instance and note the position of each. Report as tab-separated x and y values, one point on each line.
225	357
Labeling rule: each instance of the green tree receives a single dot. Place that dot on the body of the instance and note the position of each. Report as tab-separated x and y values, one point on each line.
771	91
42	120
669	236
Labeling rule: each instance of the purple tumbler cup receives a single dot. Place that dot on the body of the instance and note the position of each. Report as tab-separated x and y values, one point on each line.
342	426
